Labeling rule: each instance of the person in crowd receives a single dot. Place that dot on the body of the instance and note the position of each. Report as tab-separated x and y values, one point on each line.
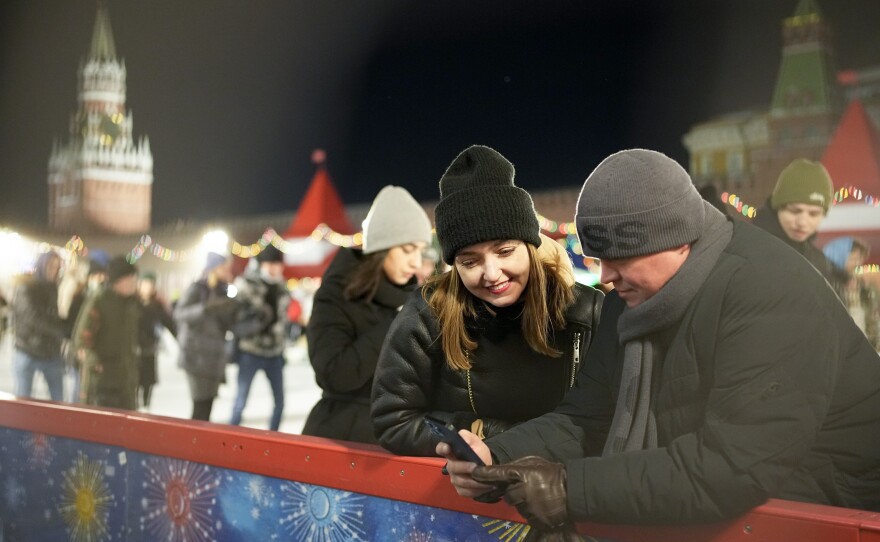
39	330
154	318
496	340
360	295
261	331
106	340
846	254
4	316
797	206
724	372
70	309
430	257
203	314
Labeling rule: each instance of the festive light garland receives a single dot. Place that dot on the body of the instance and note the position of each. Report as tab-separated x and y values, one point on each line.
733	200
76	246
850	191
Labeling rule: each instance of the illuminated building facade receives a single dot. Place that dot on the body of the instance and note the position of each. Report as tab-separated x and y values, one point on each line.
101	179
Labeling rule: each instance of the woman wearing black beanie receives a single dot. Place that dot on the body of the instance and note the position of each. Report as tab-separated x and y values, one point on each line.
498	338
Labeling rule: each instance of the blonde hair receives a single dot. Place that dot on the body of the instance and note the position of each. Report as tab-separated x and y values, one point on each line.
546	296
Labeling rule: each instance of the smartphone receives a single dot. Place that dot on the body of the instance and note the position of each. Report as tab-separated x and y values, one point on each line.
450	436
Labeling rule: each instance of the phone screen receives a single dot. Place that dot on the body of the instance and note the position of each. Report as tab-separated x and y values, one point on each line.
451	437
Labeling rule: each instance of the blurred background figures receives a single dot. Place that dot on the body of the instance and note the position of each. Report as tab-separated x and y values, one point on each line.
204	314
106	340
261	331
39	330
846	254
155	317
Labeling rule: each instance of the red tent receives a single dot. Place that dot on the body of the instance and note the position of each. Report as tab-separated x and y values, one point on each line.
310	257
853	160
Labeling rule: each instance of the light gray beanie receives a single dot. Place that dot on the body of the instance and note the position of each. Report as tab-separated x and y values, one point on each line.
637	202
395	218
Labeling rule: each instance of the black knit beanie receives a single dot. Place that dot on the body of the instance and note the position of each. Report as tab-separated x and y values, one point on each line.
270	254
479	202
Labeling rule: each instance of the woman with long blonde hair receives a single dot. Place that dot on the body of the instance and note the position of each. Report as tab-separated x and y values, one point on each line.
496	340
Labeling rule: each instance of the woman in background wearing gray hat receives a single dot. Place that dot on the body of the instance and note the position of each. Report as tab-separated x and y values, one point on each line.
497	339
204	314
360	294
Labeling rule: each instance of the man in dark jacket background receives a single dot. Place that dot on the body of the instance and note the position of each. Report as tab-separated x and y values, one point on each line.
106	340
724	372
798	205
39	329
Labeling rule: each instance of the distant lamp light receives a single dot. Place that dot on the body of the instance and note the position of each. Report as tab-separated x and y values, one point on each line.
216	241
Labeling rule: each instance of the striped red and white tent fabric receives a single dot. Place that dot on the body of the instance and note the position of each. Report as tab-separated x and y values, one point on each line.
853	161
309	257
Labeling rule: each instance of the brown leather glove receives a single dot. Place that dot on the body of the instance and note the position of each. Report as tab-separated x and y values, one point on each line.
535	486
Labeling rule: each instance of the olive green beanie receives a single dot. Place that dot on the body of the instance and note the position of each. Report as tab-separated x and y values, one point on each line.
803	181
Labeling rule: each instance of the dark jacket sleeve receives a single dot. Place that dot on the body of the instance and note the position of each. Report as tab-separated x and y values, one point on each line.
402	387
344	359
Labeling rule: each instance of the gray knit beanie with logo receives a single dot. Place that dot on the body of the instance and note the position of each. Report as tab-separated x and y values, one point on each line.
394	219
637	202
479	202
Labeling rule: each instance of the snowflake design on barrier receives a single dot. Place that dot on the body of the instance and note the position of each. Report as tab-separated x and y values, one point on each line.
179	500
321	514
40	450
86	500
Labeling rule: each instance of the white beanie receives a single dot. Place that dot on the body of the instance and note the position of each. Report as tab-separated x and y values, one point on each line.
395	218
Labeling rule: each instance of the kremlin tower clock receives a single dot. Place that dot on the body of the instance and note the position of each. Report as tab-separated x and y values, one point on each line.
101	179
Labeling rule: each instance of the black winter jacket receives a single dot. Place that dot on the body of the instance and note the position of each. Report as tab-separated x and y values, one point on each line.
344	338
768	220
509	382
767	389
38	328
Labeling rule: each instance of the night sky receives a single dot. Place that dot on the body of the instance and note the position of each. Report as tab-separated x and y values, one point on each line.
234	95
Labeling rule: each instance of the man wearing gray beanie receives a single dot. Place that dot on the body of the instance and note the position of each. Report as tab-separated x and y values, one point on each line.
724	372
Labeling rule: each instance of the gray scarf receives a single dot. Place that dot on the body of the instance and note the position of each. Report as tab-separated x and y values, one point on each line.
634	426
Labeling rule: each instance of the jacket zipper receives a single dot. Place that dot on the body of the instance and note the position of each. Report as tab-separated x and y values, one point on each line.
576	357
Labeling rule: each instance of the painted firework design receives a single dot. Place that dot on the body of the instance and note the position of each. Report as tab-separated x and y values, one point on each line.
39	450
178	501
507	531
86	500
321	514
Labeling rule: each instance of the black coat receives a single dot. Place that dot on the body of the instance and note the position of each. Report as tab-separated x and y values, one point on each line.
38	328
509	382
767	389
344	338
768	220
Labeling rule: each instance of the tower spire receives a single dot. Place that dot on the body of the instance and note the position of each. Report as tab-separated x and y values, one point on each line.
103	47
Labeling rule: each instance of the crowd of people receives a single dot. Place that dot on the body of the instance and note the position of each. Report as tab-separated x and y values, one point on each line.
718	364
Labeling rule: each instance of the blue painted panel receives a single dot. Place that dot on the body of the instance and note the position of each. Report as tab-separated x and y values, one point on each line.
63	489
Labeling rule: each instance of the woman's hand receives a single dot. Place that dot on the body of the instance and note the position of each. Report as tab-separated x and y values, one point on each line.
460	471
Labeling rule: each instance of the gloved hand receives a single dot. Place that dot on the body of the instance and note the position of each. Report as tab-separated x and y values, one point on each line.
535	486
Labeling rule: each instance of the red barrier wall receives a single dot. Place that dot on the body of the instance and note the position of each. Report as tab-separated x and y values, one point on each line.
369	470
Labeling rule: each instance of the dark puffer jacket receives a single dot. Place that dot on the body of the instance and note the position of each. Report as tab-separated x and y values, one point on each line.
509	382
768	220
345	337
767	389
38	328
